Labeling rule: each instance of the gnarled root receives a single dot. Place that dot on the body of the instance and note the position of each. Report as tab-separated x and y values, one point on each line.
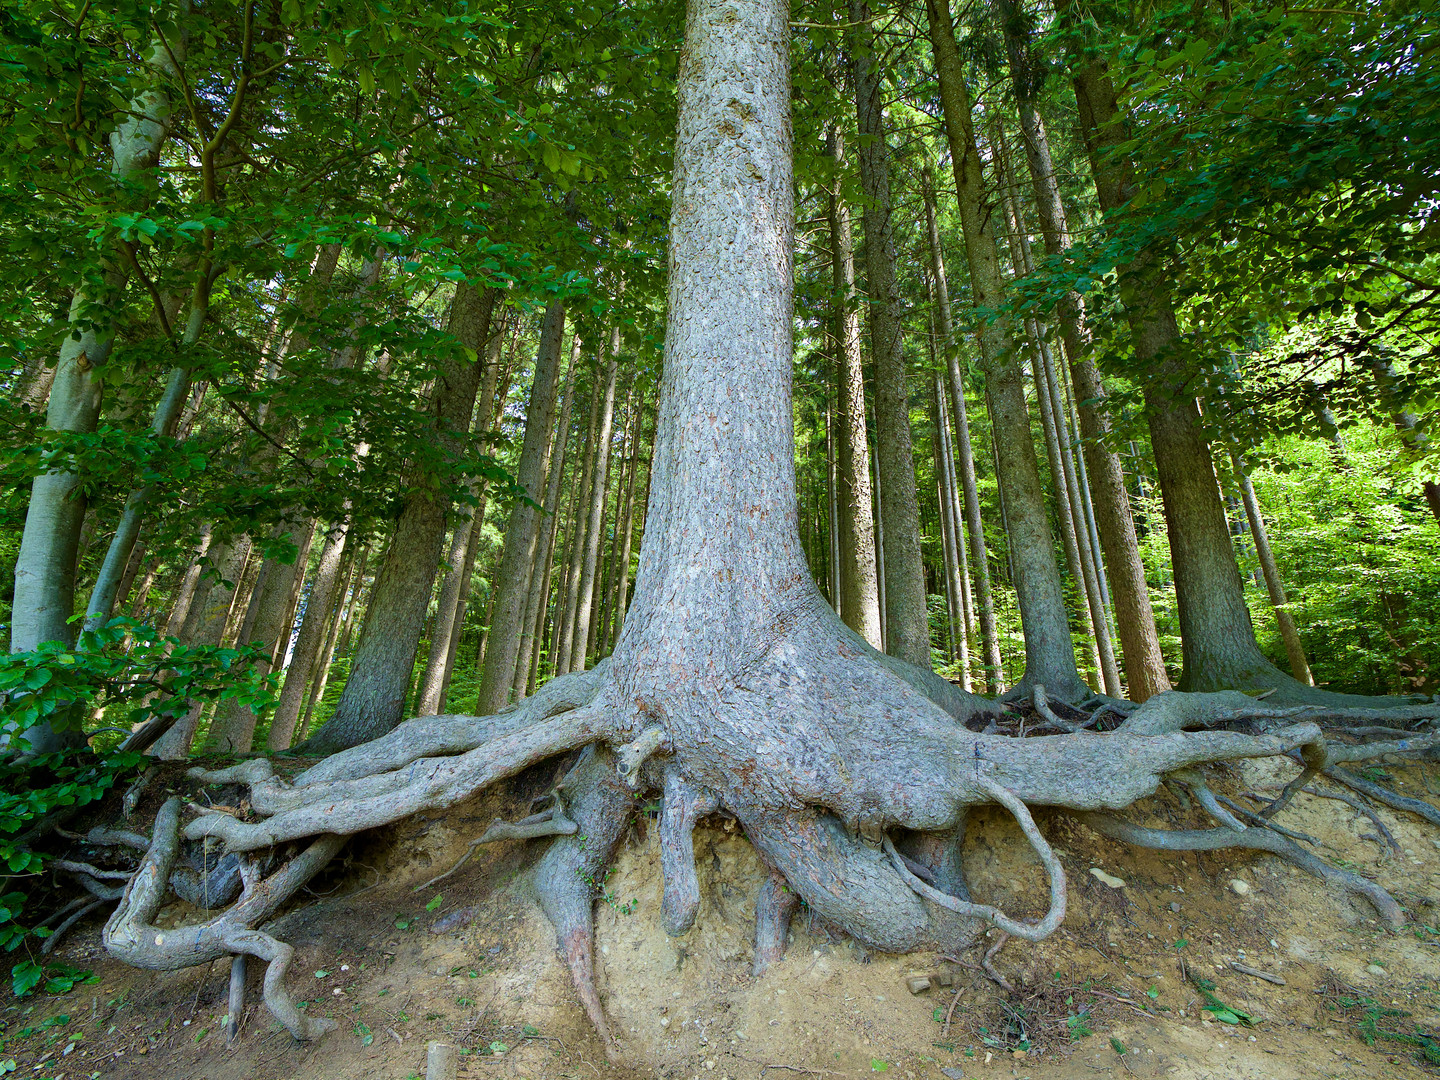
1253	839
774	906
572	872
131	936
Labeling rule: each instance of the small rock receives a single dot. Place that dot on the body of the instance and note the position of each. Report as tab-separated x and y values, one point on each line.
664	1021
1017	1053
1375	969
453	921
917	984
1174	907
1107	879
952	1074
1240	888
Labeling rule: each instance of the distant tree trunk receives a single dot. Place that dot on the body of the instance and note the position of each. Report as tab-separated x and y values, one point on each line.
579	645
579	518
314	630
461	558
951	544
1294	648
539	591
344	610
907	615
859	590
512	583
624	516
622	592
205	625
374	695
1049	654
1405	422
1135	621
1071	513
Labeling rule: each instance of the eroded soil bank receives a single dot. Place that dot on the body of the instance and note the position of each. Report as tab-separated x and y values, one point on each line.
1117	991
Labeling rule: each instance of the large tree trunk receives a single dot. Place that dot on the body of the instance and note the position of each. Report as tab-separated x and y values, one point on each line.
859	589
907	616
374	696
1135	621
734	685
1049	654
512	583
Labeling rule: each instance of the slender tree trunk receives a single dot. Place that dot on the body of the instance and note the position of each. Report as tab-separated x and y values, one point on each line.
859	589
1294	648
579	647
600	637
1049	654
907	616
579	517
622	597
1413	440
624	516
538	593
314	631
1145	672
205	625
45	567
512	583
373	700
460	559
344	613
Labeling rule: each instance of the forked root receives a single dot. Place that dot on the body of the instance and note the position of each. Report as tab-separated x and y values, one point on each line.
1053	870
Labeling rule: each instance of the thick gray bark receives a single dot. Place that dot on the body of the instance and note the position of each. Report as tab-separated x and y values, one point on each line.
1049	654
907	616
859	590
373	700
512	583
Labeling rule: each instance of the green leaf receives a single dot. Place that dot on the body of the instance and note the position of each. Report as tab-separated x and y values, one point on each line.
876	1065
25	976
435	903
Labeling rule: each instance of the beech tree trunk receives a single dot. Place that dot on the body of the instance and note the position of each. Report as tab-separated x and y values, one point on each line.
373	700
907	615
1049	654
575	555
45	565
314	631
512	582
859	589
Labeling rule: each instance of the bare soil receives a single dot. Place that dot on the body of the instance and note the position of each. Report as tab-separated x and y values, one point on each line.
1117	991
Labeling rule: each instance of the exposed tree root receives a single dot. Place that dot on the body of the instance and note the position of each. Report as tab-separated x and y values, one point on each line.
850	776
774	906
1254	839
131	936
1382	794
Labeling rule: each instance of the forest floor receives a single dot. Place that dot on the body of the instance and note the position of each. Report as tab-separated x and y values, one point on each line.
1117	991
